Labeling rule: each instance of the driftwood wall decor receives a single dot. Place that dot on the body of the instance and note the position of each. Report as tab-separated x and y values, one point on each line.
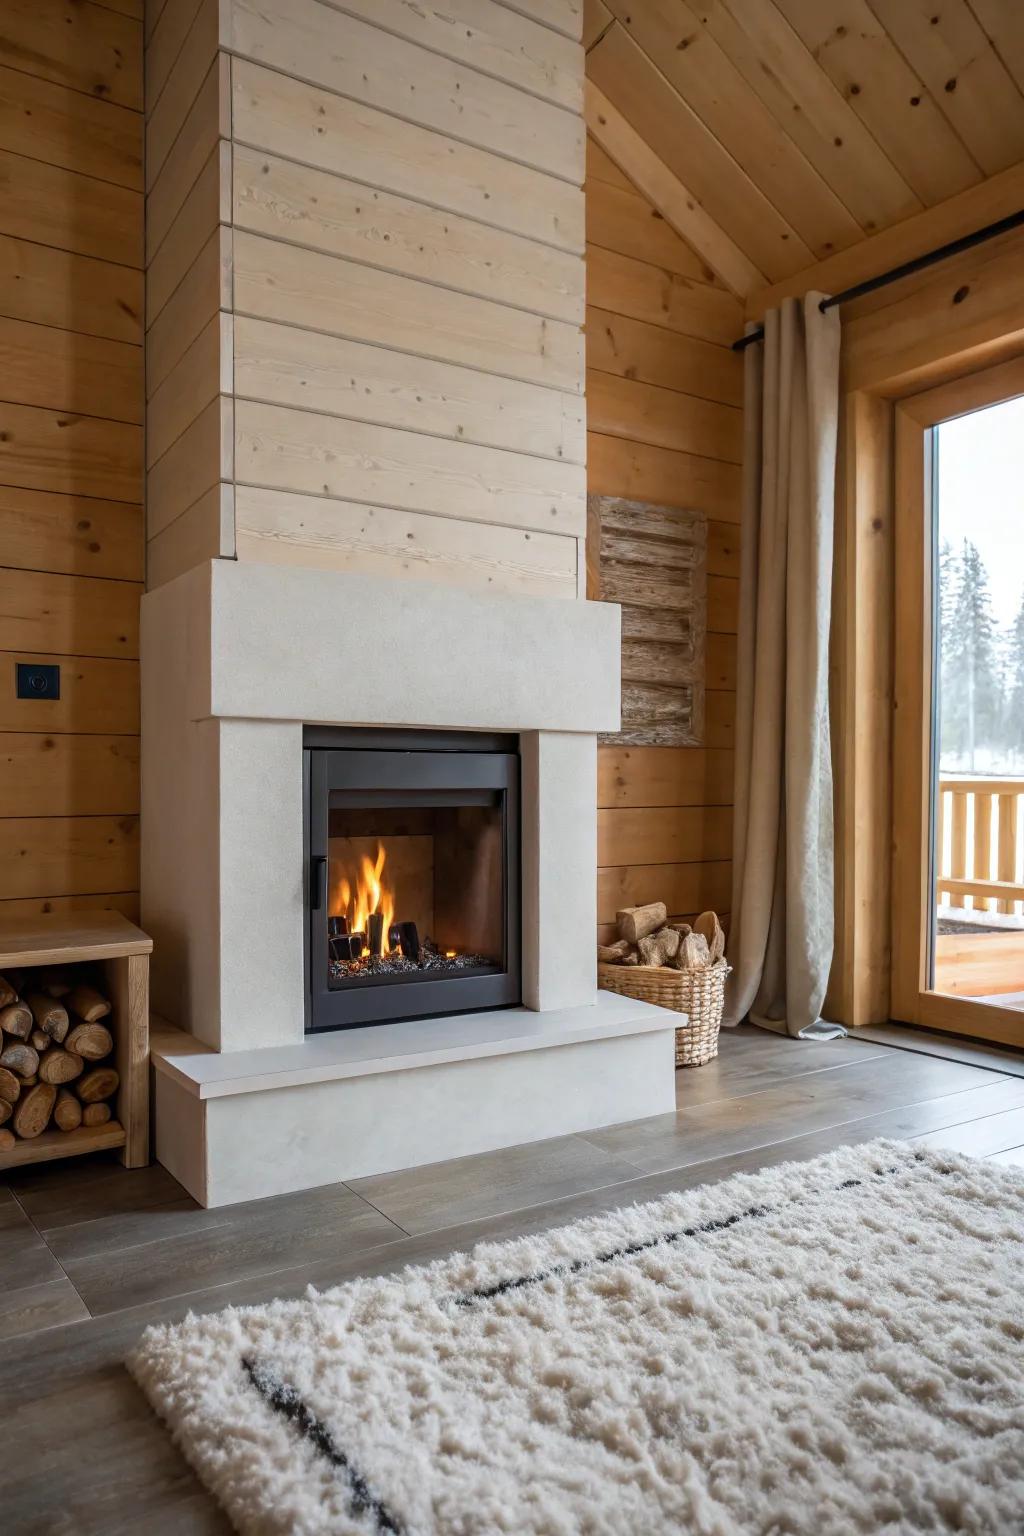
653	561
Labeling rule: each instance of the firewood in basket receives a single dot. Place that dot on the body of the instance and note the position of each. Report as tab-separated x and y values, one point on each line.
635	923
8	994
96	1114
8	1140
20	1058
60	1066
16	1020
659	948
34	1110
67	1112
375	933
98	1084
89	1004
6	1111
93	1041
631	959
611	953
50	1016
10	1086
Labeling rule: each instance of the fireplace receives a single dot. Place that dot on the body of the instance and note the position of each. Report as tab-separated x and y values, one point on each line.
413	875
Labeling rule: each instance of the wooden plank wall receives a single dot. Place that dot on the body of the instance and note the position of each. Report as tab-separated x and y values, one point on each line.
366	288
71	442
189	494
664	407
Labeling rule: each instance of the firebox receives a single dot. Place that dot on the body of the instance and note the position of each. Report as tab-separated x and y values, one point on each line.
413	874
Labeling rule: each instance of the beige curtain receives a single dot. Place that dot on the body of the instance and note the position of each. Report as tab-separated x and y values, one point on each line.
782	921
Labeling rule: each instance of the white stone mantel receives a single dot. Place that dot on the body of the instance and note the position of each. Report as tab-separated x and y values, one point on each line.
236	658
331	647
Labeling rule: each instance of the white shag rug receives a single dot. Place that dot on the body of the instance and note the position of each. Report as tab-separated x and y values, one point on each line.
822	1348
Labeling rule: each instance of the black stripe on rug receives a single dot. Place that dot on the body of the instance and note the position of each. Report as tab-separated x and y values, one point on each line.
630	1250
286	1401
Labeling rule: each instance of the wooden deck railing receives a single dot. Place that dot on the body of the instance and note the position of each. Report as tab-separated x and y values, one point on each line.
978	841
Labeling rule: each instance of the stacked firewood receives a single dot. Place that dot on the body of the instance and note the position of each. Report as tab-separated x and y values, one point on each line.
54	1050
646	937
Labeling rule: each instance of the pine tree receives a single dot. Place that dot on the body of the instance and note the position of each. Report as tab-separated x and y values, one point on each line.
1013	726
971	713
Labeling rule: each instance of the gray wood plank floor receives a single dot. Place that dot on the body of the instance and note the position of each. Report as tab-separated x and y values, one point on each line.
90	1254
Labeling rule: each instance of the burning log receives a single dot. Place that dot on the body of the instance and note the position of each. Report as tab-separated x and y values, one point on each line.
406	937
337	927
375	933
347	946
635	923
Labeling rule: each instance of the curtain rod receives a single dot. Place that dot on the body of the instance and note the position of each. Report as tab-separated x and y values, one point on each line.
919	263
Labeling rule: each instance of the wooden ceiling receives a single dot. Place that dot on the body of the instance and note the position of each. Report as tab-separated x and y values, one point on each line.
774	133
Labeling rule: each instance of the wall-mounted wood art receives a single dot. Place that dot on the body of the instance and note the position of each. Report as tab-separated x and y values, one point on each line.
653	561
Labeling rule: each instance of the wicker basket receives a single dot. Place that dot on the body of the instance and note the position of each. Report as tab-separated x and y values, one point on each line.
699	993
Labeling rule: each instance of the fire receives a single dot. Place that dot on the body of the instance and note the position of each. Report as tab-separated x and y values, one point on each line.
371	895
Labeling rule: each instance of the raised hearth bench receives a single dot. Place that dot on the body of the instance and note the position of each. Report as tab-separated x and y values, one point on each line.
243	1124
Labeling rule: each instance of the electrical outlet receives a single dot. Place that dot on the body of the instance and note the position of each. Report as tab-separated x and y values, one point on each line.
37	680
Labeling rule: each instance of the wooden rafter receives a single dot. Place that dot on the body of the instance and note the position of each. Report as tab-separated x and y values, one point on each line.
677	205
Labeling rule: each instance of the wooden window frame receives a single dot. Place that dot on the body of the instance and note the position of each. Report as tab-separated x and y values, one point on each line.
912	1001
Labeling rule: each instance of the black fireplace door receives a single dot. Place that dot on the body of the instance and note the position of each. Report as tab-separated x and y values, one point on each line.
413	883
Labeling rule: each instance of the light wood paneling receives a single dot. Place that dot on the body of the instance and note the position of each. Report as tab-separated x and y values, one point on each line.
207	119
286	366
84	46
661	406
287	529
53	775
66	128
71	295
74	455
172	101
274	112
652	355
302	287
202	372
70	615
324	212
72	855
63	371
685	887
53	287
75	535
305	451
781	130
204	531
641	472
195	461
54	206
644	413
313	42
207	204
407	289
622	220
635	288
205	288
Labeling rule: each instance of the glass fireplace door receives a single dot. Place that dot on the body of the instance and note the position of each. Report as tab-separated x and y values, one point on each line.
413	884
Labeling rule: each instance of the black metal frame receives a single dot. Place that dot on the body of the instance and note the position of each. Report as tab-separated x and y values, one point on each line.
405	768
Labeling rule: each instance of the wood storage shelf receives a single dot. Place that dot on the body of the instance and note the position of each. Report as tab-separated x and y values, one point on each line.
108	958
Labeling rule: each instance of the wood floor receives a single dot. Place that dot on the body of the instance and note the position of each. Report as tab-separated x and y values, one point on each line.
90	1254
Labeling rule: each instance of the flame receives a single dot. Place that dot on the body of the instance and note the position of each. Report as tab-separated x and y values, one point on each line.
371	895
